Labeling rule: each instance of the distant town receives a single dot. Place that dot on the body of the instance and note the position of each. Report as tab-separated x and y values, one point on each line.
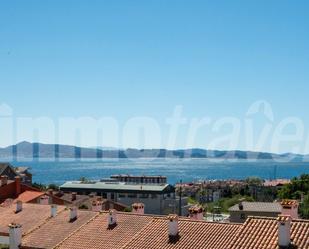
131	211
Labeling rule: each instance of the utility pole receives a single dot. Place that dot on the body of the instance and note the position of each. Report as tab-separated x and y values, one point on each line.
180	201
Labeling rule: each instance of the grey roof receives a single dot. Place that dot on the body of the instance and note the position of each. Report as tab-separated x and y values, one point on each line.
115	186
3	166
271	207
21	169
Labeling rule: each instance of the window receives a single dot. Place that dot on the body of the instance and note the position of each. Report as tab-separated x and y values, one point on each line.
144	196
242	216
154	196
121	195
132	195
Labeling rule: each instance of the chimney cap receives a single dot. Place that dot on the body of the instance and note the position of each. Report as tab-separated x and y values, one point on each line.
289	203
172	217
138	205
196	209
14	225
283	218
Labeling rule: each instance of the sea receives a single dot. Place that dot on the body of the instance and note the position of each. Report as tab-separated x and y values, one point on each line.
47	171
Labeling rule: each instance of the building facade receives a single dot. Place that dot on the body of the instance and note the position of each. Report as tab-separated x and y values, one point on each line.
158	198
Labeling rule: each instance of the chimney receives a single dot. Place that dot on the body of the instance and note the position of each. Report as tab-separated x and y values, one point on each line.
173	225
138	208
112	218
284	230
19	206
53	210
196	213
3	180
240	206
44	200
17	185
96	205
290	207
73	213
15	234
50	191
73	198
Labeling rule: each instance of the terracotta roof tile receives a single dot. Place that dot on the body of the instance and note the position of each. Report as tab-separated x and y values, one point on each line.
31	216
56	229
192	234
263	233
96	233
29	196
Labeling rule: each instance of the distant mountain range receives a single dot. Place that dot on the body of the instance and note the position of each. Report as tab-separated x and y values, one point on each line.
39	150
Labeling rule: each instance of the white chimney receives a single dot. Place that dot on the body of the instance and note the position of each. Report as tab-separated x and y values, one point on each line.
290	207
44	200
196	213
284	230
96	205
53	210
15	233
138	208
19	206
73	196
172	225
3	180
112	218
73	213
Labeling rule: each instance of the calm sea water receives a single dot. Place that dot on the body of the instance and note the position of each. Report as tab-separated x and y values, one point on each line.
47	171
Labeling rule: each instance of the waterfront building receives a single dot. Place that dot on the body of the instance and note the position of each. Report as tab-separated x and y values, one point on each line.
158	198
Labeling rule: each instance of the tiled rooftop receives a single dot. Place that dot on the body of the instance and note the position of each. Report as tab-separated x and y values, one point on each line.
29	196
56	229
133	231
193	234
31	216
96	233
263	233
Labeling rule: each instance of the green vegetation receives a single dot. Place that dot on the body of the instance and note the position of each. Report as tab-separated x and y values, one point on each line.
128	209
191	200
298	189
254	181
83	206
44	187
226	203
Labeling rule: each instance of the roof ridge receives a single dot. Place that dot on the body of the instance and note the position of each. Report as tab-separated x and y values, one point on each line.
75	231
130	213
181	218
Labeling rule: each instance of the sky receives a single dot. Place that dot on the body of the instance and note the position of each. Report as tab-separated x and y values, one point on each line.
140	62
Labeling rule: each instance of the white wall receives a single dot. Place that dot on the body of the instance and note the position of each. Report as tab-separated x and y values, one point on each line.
4	240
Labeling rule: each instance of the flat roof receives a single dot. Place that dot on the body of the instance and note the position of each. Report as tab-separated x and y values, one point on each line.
272	207
117	186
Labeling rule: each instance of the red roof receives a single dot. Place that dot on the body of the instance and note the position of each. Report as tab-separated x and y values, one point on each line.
28	196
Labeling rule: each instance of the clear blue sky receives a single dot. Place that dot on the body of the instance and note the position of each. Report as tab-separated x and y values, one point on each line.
142	58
